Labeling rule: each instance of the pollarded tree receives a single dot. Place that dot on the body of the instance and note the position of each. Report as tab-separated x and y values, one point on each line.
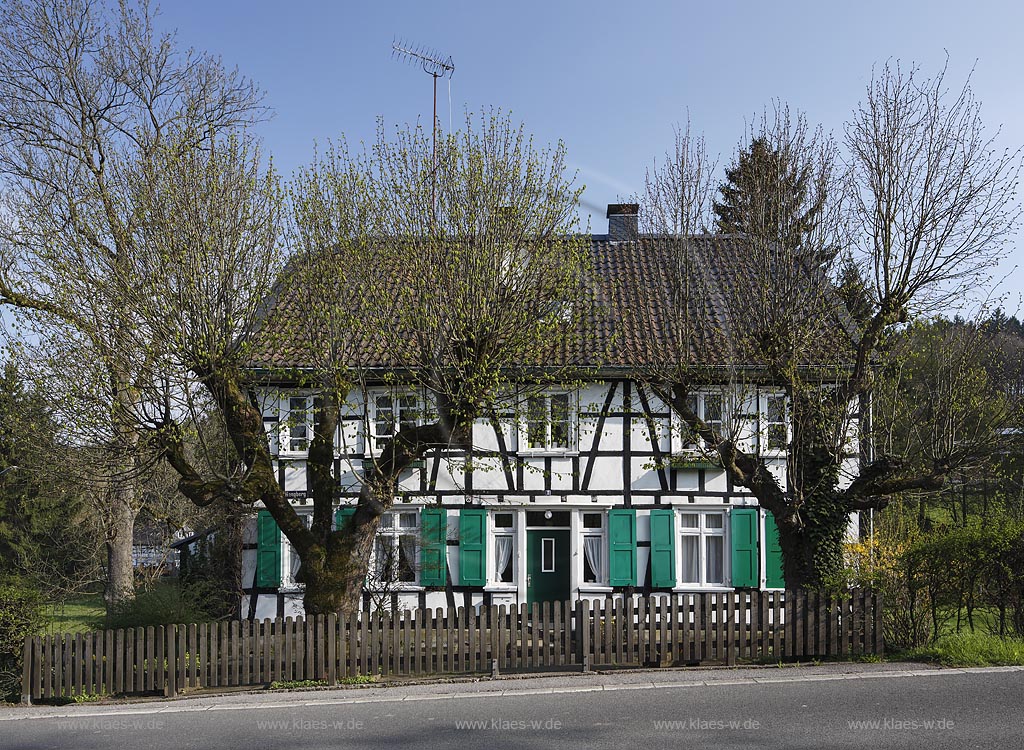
89	93
470	288
927	204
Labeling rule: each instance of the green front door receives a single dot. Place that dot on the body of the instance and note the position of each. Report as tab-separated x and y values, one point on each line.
547	565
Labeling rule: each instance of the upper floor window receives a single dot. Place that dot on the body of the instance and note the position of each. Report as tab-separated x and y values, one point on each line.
776	433
548	422
298	423
710	408
393	412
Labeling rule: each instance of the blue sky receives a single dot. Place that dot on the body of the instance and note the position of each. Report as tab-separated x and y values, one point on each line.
608	78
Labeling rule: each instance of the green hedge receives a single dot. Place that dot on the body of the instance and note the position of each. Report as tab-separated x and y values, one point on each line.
21	615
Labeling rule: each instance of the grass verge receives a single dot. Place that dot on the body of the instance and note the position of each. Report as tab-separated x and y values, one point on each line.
968	649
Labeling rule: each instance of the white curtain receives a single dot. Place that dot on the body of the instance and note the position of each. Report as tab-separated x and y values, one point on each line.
502	554
381	559
592	548
691	559
293	558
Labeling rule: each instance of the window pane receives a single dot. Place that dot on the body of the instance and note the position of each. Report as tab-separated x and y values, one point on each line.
407	520
691	559
408	412
714	520
547	555
382	568
690	521
387	521
407	558
592	520
297	428
713	408
715	559
689	437
589	574
503	520
560	421
776	410
777	436
536	422
506	574
503	545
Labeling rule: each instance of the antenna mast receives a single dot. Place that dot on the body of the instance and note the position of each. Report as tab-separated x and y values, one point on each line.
437	67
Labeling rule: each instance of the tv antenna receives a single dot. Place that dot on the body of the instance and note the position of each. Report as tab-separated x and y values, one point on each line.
437	67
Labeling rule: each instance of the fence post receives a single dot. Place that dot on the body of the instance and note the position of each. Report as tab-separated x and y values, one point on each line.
580	633
170	665
879	626
27	667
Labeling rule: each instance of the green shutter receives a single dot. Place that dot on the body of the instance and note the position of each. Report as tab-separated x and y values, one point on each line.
744	548
433	550
342	515
772	554
268	551
622	547
473	546
663	548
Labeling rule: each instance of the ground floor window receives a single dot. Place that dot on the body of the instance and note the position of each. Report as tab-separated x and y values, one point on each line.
593	548
504	546
395	550
702	541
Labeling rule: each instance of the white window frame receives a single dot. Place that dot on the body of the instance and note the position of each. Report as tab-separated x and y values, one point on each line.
702	532
392	534
682	435
764	425
493	580
286	423
570	424
600	534
375	441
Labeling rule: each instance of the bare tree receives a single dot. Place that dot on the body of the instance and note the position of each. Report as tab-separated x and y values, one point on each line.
924	206
469	300
88	94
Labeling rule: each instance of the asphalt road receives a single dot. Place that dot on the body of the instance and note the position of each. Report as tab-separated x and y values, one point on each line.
884	707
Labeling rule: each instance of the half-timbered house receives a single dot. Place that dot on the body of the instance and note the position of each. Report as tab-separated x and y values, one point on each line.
583	492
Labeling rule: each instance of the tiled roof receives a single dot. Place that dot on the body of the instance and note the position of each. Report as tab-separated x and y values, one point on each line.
654	300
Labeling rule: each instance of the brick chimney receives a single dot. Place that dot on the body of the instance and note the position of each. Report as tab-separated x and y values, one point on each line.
622	221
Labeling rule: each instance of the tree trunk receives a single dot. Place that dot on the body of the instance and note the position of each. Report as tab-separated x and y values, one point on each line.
230	557
121	514
812	547
334	575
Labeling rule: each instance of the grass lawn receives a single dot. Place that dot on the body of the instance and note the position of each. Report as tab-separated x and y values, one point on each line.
76	615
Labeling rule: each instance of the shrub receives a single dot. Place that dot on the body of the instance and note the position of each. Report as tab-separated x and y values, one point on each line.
164	604
21	615
882	566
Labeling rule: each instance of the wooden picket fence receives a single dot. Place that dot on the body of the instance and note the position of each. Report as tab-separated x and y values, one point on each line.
680	629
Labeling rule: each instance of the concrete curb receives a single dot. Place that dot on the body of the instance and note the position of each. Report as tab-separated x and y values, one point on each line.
443	691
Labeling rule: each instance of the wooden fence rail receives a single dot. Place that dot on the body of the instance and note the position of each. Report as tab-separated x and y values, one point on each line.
671	630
